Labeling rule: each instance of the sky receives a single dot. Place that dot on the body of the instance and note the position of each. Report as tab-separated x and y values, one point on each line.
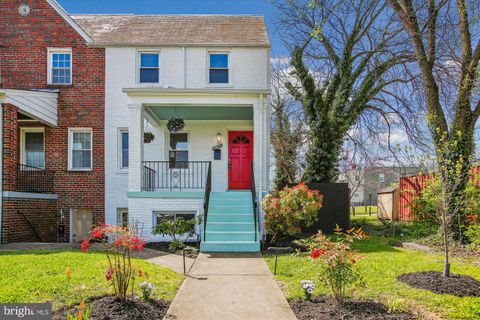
260	7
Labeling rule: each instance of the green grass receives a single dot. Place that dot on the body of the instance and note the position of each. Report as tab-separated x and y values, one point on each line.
361	210
39	276
381	266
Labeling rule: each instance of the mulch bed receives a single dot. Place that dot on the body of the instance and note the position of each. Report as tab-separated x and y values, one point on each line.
326	308
459	285
112	308
163	246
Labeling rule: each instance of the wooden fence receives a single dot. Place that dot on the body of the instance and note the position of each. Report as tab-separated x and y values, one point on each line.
411	187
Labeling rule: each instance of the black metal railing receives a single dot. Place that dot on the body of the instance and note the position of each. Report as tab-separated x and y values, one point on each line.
254	197
33	179
206	200
174	175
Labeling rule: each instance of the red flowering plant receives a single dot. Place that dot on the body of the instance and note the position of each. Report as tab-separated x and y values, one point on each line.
118	243
289	210
336	260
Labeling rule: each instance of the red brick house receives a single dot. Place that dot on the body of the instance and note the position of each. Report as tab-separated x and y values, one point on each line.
52	107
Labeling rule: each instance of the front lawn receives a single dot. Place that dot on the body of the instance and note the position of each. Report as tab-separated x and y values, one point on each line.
381	266
39	276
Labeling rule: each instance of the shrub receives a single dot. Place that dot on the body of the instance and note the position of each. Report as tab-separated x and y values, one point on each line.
473	235
336	260
178	229
118	243
147	289
308	286
424	207
289	210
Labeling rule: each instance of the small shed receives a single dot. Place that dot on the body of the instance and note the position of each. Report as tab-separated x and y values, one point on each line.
388	203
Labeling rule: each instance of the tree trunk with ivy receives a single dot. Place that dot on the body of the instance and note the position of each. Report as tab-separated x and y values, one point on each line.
353	63
440	31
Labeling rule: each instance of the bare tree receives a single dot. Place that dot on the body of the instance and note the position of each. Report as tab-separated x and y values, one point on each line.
346	57
287	130
447	51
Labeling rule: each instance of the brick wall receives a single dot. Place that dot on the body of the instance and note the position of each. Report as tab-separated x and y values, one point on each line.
23	63
40	213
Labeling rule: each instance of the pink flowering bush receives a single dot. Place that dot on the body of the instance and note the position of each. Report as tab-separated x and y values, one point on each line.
289	210
118	243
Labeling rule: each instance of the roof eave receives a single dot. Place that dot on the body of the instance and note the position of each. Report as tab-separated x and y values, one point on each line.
218	45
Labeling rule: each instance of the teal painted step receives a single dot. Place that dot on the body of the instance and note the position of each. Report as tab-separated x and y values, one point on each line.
230	226
231	246
229	218
230	223
230	236
230	210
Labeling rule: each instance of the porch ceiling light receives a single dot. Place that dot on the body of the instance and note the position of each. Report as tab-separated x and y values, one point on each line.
219	138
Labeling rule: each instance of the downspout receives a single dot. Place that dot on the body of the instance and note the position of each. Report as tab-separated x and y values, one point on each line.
260	187
184	67
1	170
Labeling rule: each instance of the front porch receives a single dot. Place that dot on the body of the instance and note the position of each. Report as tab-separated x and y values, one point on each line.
221	149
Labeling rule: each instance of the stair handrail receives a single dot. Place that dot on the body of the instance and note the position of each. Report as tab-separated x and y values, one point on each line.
254	197
206	199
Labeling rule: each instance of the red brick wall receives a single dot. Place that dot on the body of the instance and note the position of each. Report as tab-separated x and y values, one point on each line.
41	214
10	146
23	63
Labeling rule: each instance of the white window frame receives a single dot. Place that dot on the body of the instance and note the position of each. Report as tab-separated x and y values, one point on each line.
167	153
381	177
229	68
23	131
139	60
50	52
71	131
120	150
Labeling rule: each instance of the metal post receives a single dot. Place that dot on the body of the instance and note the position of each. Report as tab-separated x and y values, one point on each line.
276	259
184	266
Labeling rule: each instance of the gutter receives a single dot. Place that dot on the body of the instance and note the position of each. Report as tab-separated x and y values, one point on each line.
152	90
1	170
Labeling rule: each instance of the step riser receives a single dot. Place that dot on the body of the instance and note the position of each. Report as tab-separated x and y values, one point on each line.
229	218
244	196
230	236
230	227
229	247
231	210
230	203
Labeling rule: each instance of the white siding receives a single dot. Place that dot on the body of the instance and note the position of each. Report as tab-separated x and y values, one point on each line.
249	70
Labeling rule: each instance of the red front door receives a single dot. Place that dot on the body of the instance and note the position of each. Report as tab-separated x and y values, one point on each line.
240	156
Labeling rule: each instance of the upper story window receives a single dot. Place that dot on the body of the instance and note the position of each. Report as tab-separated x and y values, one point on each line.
80	151
60	66
149	67
381	177
218	67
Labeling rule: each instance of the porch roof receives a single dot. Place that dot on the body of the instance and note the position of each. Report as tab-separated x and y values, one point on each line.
38	104
203	112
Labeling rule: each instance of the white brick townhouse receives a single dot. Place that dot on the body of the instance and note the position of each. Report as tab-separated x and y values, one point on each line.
186	122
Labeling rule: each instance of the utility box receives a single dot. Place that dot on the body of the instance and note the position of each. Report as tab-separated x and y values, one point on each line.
388	204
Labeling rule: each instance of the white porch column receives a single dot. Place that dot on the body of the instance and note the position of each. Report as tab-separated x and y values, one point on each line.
135	145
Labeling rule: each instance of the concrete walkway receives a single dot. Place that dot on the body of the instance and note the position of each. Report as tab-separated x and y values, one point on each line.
230	286
164	259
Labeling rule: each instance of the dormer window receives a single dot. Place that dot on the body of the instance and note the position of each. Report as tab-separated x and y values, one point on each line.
149	67
60	66
218	67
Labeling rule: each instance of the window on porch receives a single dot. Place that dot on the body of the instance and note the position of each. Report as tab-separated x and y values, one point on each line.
178	154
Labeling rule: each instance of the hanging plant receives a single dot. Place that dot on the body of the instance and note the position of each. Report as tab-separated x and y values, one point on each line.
148	137
175	124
